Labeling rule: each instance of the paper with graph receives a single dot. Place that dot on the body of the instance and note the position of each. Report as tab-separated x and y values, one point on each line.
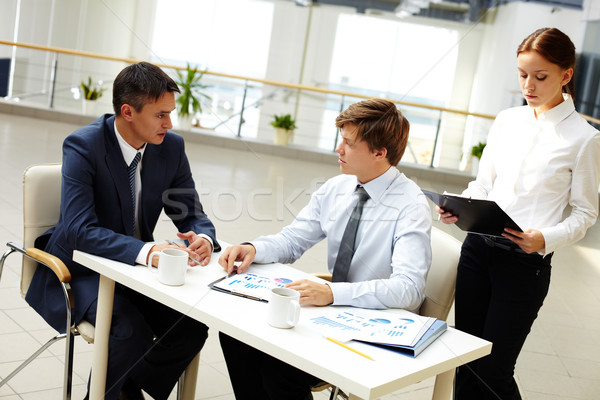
399	327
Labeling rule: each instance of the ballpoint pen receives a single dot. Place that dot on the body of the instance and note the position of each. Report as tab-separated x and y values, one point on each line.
176	244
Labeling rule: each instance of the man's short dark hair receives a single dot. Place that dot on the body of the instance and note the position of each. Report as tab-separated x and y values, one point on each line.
140	84
380	124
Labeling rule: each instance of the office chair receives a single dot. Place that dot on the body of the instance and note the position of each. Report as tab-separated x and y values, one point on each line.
41	209
439	289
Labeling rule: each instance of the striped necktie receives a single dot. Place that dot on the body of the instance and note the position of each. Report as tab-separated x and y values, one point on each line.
131	172
347	245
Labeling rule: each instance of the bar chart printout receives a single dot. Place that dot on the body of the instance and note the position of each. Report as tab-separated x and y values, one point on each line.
346	323
251	285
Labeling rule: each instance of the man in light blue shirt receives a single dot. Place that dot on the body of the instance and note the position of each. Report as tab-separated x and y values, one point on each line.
391	253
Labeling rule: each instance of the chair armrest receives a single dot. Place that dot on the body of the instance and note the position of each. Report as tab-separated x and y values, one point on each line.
323	275
52	262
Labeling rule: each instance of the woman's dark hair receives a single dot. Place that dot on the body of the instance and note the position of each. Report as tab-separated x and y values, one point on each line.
139	84
554	46
380	124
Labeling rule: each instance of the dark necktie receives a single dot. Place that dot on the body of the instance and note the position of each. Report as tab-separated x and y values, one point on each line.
131	172
346	251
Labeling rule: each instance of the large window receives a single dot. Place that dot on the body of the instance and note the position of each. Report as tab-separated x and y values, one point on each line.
398	60
230	36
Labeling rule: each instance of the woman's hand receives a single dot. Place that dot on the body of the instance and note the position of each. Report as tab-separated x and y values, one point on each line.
530	241
446	217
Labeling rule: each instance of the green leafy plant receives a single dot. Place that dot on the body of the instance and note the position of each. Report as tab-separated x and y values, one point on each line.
191	90
477	150
90	91
284	122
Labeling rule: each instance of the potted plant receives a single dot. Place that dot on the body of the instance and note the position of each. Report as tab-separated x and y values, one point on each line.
89	94
188	101
284	128
476	152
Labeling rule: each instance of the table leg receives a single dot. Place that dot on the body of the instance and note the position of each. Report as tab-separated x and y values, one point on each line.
186	388
442	389
106	291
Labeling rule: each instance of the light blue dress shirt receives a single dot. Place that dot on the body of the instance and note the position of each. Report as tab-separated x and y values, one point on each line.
393	248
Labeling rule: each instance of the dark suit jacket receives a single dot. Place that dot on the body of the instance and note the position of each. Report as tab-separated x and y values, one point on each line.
96	211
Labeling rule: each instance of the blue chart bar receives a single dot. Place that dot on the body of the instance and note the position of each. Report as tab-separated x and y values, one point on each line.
394	333
333	324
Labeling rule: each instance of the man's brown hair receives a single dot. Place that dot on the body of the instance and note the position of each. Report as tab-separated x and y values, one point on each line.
380	124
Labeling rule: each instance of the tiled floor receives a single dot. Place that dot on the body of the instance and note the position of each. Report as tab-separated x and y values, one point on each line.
248	194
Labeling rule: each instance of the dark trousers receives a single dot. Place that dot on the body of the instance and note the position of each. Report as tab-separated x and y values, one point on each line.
257	375
498	295
150	344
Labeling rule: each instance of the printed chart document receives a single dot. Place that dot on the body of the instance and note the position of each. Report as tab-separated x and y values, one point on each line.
249	285
401	330
474	215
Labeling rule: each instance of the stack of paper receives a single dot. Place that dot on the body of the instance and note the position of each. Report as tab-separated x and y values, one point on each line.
399	330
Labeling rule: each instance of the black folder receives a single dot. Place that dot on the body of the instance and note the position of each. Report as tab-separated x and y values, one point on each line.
474	215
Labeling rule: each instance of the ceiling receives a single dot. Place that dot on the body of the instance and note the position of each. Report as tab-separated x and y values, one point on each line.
453	10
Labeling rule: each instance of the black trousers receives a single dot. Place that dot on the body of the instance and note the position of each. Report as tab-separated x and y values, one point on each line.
498	295
150	344
257	375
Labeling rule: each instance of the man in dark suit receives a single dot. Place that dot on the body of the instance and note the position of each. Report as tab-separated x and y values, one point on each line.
111	200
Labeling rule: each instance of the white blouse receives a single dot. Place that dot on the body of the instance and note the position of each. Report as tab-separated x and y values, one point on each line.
535	168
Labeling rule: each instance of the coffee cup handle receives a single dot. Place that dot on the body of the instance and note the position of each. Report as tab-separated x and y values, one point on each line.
293	313
151	258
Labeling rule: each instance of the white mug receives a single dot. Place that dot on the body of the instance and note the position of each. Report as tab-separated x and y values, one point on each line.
284	308
172	265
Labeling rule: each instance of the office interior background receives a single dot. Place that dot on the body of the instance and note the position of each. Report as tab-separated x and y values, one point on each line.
434	58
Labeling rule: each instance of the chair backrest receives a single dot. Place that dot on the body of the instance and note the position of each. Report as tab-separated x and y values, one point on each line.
441	281
41	209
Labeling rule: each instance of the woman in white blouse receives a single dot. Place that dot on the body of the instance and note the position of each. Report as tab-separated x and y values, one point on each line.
540	158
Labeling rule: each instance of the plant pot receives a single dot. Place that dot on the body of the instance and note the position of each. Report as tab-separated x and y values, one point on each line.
282	136
474	165
184	122
88	107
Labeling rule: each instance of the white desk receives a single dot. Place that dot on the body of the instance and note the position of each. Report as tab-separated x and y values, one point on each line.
301	346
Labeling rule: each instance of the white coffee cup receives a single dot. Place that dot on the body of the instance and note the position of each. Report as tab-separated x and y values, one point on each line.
284	308
172	265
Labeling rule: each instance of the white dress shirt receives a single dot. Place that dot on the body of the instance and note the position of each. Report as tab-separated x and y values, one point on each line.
533	168
393	248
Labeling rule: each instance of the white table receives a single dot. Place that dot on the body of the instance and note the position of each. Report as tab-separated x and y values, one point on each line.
301	346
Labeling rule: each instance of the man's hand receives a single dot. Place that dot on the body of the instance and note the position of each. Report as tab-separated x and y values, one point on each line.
200	248
312	293
239	252
172	245
529	241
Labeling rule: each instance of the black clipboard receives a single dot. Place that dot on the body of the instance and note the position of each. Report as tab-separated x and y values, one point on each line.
475	215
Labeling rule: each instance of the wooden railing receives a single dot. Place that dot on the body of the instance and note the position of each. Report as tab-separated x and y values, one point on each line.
294	86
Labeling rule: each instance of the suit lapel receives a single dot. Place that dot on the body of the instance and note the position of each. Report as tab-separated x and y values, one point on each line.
153	181
118	170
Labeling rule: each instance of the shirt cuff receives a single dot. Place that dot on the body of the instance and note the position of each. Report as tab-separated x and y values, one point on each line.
259	251
342	293
143	254
202	235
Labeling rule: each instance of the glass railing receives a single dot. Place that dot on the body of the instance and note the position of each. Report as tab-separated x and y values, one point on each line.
240	106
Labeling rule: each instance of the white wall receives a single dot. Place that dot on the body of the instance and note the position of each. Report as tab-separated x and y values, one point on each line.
495	86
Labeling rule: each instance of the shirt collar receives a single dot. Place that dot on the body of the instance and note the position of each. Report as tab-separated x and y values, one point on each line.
555	115
379	185
128	151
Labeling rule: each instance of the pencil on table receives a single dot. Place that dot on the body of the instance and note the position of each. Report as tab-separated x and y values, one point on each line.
349	348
